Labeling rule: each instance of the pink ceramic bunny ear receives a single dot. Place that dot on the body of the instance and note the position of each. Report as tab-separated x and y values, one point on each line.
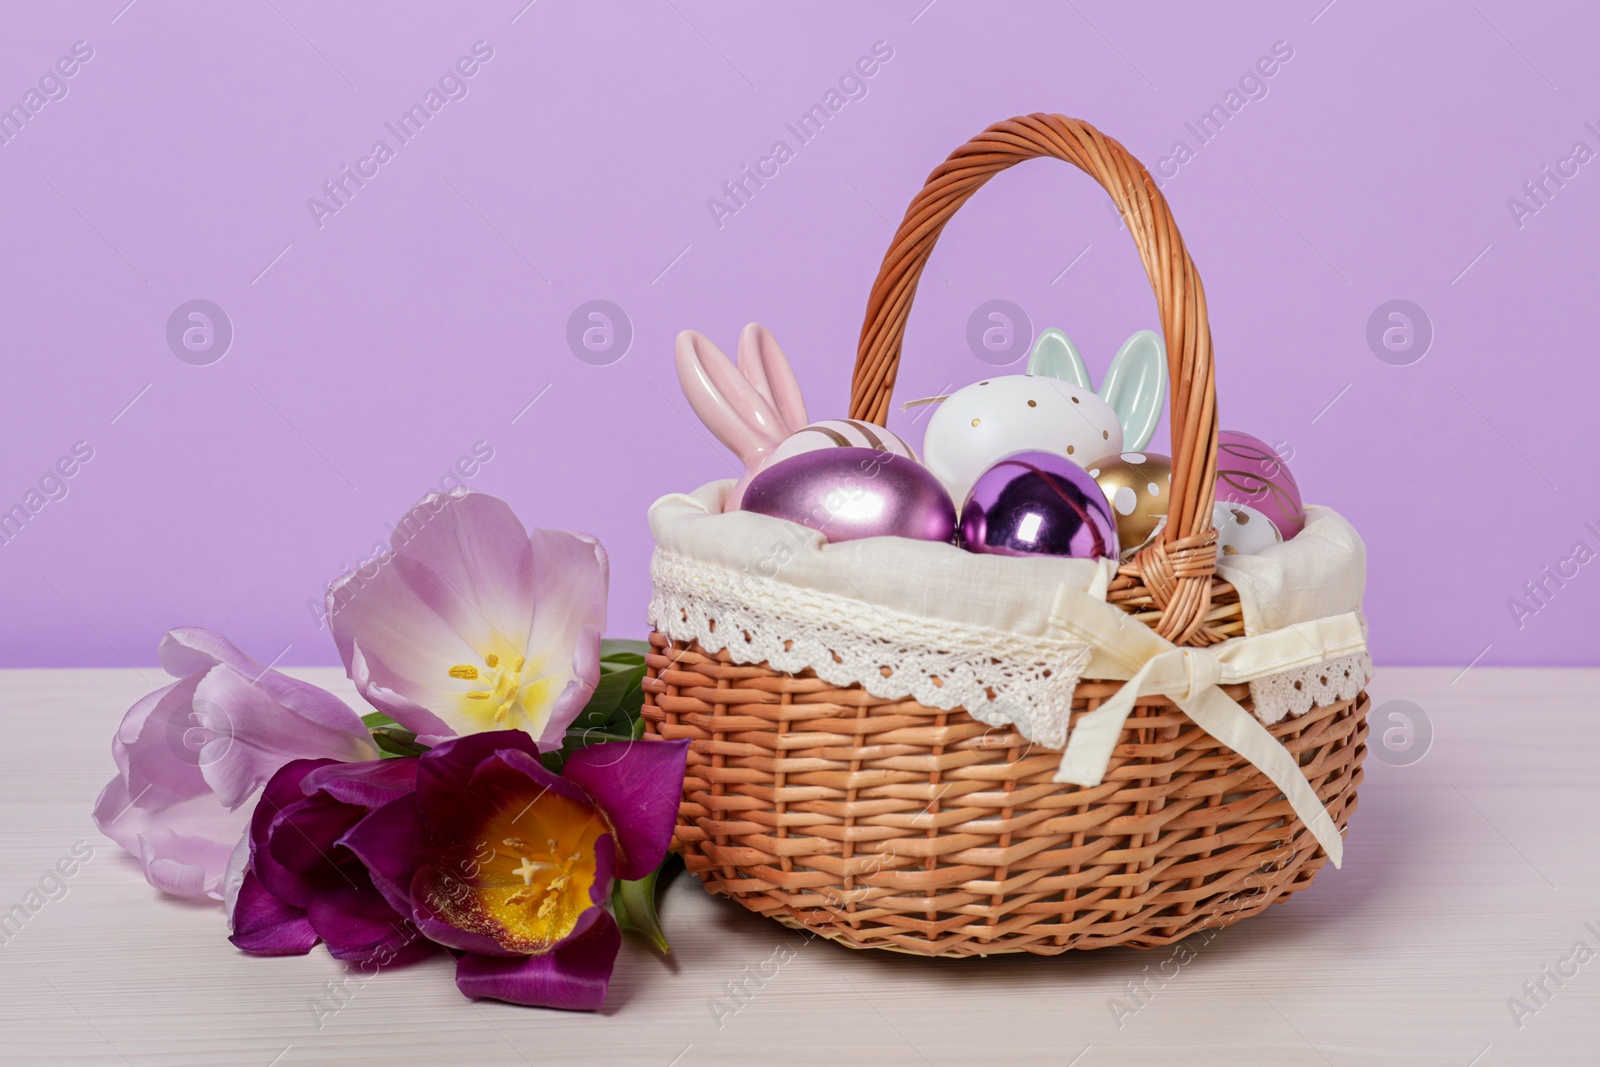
763	363
729	405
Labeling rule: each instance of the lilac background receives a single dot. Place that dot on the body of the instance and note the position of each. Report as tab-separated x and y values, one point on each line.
372	352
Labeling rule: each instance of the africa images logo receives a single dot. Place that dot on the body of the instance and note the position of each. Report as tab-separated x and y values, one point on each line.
339	191
852	85
52	86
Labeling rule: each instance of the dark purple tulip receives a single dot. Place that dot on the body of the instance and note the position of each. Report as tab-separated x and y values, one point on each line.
1038	503
510	865
850	493
302	886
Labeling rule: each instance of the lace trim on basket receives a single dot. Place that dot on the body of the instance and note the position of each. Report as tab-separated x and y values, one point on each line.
1296	692
1001	678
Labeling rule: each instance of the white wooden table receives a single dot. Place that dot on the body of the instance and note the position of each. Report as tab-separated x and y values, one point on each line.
1467	874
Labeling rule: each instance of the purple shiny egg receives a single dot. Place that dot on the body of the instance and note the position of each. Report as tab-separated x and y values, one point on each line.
1250	472
1038	503
850	493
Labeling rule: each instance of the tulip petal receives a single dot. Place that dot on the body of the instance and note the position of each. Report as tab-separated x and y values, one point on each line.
513	777
392	843
143	827
187	650
358	927
472	564
195	650
233	875
253	735
370	784
122	815
302	840
460	581
190	755
575	696
454	760
429	728
574	975
298	860
405	661
282	791
185	865
154	748
436	928
280	799
444	781
572	573
474	624
266	926
605	870
638	785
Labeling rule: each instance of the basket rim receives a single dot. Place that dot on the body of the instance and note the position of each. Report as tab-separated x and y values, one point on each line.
1318	573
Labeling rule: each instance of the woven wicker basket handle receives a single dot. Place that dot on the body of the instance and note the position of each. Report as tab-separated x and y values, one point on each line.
1177	569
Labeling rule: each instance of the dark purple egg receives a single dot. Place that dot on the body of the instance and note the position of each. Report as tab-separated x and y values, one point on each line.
850	493
1038	503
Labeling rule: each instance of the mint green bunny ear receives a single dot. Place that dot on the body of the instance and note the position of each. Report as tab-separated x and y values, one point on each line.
1055	356
1136	387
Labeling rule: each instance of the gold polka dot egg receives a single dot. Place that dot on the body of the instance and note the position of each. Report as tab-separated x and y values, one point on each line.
1139	487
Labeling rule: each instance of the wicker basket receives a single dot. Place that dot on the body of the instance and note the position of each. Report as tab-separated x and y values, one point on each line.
889	824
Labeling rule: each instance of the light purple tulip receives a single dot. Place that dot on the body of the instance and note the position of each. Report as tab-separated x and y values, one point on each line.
190	755
472	623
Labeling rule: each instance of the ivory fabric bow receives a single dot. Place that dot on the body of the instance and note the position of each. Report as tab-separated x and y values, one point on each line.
1190	677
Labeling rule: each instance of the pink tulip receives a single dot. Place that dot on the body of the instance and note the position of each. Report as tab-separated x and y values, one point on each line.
189	756
472	623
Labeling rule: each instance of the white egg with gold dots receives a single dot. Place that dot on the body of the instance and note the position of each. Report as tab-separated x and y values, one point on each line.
1052	408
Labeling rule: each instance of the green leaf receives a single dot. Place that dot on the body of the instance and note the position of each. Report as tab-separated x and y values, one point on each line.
616	647
627	709
391	738
635	907
610	693
616	684
577	739
397	741
613	710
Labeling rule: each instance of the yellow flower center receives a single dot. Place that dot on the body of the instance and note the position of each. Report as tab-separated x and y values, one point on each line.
555	876
531	877
504	686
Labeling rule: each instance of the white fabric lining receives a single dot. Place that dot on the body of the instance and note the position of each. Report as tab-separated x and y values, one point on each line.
953	629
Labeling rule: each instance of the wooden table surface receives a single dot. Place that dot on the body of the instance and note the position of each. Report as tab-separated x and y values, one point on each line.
1468	873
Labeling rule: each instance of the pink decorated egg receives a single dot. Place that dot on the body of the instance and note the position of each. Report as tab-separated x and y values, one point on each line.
1250	472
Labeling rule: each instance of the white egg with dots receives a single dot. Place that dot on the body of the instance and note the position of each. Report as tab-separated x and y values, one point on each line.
980	425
